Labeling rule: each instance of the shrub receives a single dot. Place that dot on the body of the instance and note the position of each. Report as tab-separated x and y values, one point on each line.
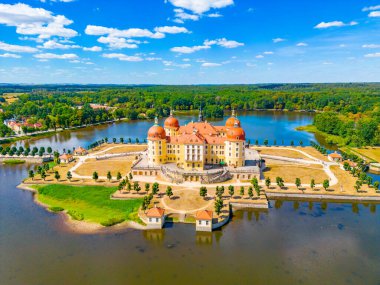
75	215
112	221
56	209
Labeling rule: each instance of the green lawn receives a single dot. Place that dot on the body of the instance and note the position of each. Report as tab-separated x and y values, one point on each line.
332	139
89	203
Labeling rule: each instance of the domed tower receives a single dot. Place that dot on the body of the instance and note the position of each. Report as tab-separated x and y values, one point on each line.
235	146
156	144
230	123
171	125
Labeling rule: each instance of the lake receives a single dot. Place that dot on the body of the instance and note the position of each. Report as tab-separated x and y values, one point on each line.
290	243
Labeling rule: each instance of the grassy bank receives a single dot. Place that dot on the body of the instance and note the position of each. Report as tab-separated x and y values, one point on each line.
14	161
89	203
330	139
370	154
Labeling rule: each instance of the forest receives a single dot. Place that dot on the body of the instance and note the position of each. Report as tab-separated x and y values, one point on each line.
349	110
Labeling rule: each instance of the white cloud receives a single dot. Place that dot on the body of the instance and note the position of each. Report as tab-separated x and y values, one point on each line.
186	59
181	16
249	64
302	45
224	43
374	14
278	40
173	64
325	25
16	48
118	43
56	56
268	52
214	15
52	44
35	21
128	33
259	56
118	39
122	57
201	6
371	8
210	64
171	30
10	55
192	49
94	48
376	54
371	46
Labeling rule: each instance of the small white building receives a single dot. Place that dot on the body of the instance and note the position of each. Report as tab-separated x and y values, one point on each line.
80	151
335	157
203	221
66	158
156	218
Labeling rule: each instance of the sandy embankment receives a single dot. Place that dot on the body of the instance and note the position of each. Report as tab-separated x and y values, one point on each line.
83	227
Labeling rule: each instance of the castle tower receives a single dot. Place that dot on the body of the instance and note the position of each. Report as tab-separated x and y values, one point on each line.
235	146
156	144
171	125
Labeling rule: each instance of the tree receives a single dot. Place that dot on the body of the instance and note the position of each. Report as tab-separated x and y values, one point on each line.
95	176
46	167
218	206
130	176
266	142
69	175
358	185
121	140
49	150
250	192
267	182
136	186
301	143
298	183
114	140
31	174
109	175
203	192
254	181
257	189
241	191
57	176
169	191
376	185
155	188
326	184
312	184
118	176
256	142
147	187
129	186
280	182
292	143
43	175
231	190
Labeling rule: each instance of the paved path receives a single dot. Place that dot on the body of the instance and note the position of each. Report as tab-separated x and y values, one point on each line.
313	160
83	159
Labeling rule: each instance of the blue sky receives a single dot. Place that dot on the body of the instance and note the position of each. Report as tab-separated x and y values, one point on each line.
189	41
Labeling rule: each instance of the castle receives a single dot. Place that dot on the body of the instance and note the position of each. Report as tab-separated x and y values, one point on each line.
197	145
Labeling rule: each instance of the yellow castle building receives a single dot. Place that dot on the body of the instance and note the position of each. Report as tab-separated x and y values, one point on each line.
197	145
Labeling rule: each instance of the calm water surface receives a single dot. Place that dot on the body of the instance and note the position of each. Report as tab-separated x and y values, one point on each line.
291	243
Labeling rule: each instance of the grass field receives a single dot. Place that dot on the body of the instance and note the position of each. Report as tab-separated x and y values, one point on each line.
122	165
125	148
14	161
11	97
89	203
371	153
281	152
290	173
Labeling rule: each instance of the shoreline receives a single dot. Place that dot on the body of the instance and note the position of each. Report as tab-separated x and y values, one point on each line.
82	227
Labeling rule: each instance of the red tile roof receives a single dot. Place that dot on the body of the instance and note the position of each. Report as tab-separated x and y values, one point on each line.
335	155
204	215
155	212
